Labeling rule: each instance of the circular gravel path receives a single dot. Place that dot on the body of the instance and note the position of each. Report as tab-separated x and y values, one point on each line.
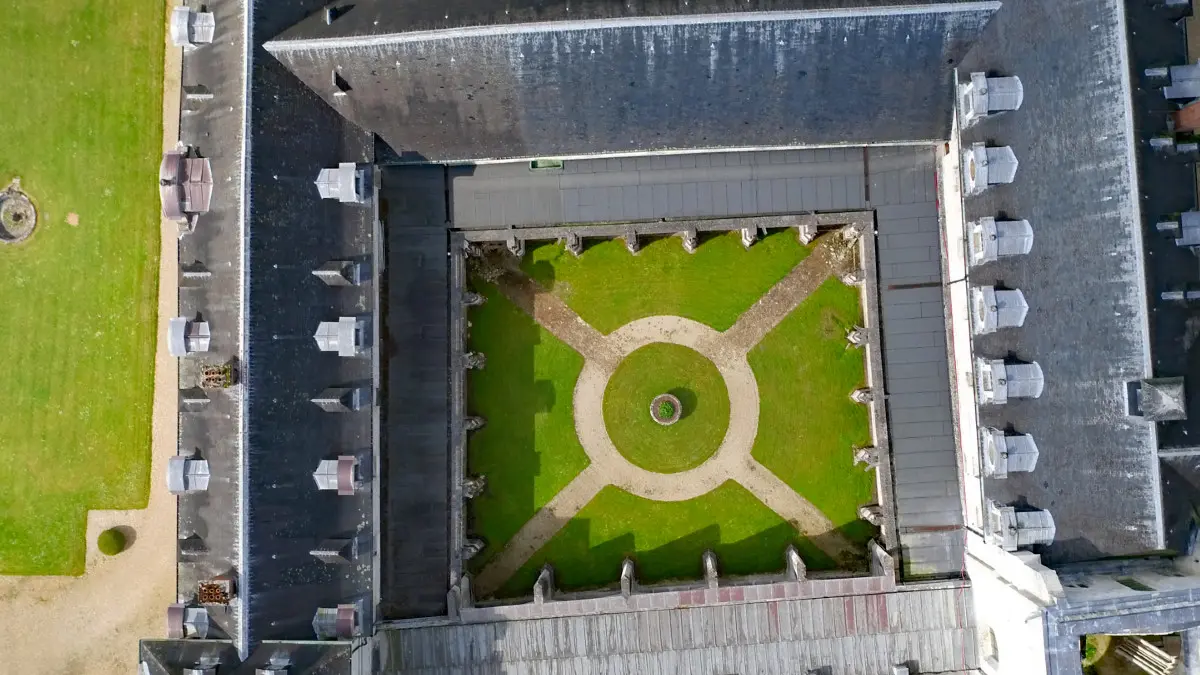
741	387
653	370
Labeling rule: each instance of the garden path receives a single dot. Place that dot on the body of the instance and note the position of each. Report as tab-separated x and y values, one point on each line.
830	255
555	316
542	527
732	461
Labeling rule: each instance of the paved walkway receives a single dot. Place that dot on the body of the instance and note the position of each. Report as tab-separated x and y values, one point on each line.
732	460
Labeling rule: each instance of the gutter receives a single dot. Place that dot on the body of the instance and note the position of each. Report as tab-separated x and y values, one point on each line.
242	640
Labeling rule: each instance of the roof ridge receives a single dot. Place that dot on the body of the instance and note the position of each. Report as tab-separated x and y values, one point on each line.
281	43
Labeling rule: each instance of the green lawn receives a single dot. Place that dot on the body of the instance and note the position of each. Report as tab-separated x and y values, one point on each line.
805	373
608	287
528	450
658	369
666	540
808	423
81	125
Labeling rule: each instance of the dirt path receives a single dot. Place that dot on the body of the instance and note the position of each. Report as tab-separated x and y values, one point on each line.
732	461
783	500
538	530
90	625
555	316
830	256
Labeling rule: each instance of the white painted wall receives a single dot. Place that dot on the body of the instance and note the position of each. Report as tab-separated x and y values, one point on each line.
1010	593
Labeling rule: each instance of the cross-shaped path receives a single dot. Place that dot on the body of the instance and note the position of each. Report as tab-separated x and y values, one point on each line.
727	350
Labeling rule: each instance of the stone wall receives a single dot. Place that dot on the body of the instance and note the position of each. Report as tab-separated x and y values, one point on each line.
872	320
458	405
713	590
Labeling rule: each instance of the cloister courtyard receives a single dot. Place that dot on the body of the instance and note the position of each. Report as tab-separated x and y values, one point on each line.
745	346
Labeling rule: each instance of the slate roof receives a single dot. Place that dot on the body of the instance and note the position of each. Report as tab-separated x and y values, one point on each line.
717	78
290	231
385	17
214	516
415	444
931	629
1181	492
171	657
646	82
1087	323
1168	186
929	510
311	658
631	189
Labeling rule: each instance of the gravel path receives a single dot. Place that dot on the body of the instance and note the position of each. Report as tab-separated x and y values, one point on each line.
783	500
743	412
90	625
555	316
831	255
732	460
539	529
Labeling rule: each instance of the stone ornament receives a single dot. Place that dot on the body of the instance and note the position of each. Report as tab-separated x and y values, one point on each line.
471	547
868	456
474	360
872	513
862	396
473	486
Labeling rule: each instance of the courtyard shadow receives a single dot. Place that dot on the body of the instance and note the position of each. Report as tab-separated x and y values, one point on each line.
511	396
704	237
541	271
648	240
580	566
687	400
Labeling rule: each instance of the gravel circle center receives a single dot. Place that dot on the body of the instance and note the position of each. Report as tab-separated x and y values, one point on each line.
641	380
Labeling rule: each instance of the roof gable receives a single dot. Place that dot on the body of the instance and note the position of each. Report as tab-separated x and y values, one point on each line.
639	84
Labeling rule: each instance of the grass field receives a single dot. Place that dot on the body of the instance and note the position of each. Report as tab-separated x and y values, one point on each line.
666	540
81	125
806	371
657	369
528	450
608	287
